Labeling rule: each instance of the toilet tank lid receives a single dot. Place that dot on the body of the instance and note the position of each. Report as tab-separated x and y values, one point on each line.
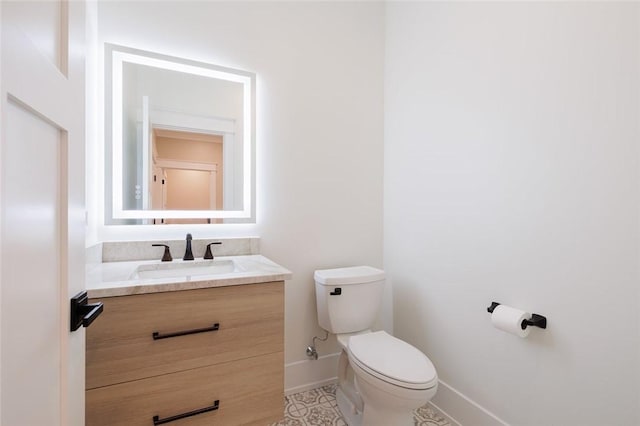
350	275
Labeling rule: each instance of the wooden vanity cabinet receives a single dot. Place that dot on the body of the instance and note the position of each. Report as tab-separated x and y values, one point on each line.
162	355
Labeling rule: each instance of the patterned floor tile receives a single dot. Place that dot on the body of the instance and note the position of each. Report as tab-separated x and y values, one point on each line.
318	407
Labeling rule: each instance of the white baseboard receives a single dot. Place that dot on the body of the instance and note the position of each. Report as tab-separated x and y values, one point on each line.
461	410
303	375
309	386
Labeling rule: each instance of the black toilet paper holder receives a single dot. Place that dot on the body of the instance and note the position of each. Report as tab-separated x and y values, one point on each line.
536	320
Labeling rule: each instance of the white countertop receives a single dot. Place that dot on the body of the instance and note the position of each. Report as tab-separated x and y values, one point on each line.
117	278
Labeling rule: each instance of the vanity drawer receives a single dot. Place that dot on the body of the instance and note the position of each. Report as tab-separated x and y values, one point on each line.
250	391
121	348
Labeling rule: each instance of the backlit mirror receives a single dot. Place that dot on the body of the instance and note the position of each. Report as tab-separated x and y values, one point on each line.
182	144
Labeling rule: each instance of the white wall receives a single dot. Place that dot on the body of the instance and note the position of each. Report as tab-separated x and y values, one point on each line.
512	174
319	136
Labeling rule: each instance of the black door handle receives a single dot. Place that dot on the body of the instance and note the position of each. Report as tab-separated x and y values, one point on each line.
95	309
83	313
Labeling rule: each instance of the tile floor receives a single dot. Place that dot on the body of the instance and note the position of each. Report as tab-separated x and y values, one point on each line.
318	407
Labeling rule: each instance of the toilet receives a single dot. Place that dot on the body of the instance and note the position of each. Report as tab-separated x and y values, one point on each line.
381	379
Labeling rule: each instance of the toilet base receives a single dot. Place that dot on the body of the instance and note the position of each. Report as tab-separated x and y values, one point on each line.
351	414
373	417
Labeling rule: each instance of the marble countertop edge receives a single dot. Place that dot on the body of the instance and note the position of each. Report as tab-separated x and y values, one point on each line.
112	279
129	290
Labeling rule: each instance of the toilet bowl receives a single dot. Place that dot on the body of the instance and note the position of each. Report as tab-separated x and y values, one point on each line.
381	379
392	377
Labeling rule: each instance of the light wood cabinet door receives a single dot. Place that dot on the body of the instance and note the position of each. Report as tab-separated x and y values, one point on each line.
249	392
121	347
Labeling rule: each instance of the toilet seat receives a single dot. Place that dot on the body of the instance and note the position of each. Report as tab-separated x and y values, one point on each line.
392	360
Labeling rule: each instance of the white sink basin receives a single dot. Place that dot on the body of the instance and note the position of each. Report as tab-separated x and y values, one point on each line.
184	269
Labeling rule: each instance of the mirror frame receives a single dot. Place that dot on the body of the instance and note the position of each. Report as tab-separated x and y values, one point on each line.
115	56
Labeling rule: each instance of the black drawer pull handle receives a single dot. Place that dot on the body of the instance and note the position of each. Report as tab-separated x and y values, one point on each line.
158	336
157	421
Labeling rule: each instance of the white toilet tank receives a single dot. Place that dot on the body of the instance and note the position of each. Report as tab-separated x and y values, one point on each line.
348	299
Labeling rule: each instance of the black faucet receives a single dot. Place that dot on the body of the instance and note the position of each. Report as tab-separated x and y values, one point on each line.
188	254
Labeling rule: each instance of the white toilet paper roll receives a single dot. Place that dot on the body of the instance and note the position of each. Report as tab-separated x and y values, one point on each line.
510	320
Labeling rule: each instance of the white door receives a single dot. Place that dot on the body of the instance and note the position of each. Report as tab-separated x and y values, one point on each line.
42	211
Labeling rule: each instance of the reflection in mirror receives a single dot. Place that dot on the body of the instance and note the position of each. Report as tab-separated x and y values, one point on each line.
187	173
181	139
